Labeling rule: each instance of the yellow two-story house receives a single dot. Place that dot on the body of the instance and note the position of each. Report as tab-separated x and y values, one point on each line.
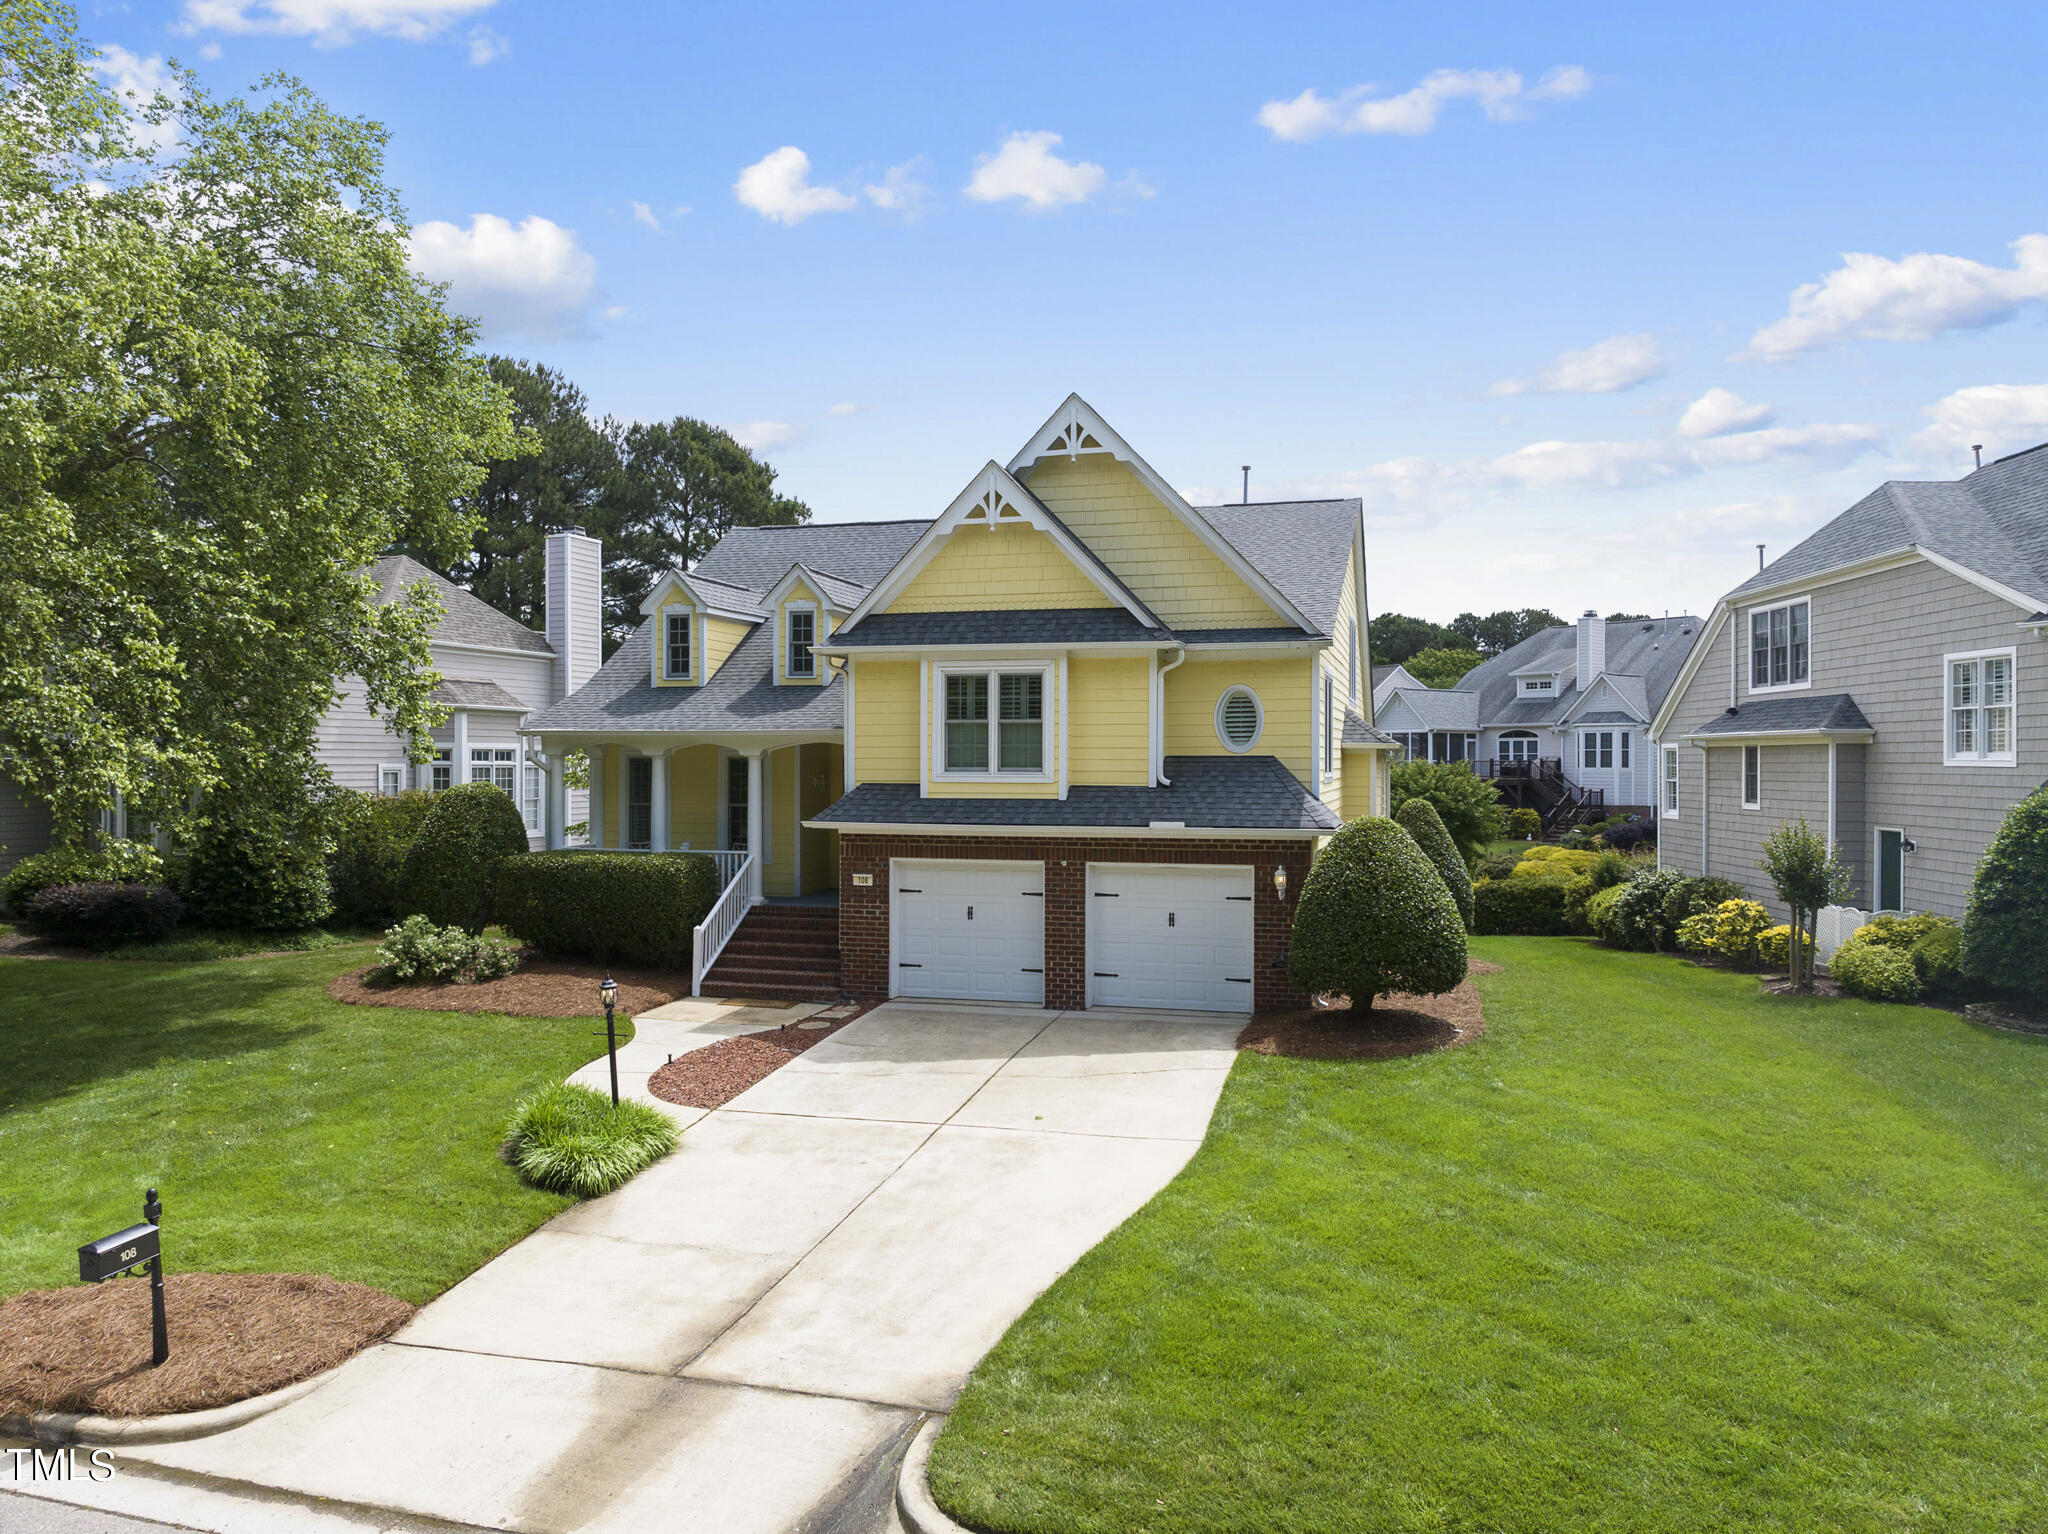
1072	742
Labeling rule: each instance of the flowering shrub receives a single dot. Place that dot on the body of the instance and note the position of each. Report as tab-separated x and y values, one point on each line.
416	949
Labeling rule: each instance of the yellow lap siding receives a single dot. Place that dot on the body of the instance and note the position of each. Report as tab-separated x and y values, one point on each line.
1282	686
820	769
721	638
885	721
1127	527
778	874
1008	568
1109	720
1357	780
693	798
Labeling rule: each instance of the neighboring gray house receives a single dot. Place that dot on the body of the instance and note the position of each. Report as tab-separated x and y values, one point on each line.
1885	679
1387	680
1560	721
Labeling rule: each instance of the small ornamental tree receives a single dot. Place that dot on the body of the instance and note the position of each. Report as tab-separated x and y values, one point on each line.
452	865
2005	926
1807	871
1374	917
1418	817
1469	806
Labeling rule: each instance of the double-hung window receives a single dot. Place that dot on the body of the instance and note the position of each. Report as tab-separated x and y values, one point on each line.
441	769
1752	777
497	765
802	626
1778	645
531	788
675	653
1597	749
390	779
994	722
1671	780
1980	709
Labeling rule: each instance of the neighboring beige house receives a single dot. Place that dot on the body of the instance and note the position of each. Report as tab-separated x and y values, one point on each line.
1886	679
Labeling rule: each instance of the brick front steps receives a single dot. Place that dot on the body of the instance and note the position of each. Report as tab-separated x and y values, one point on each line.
781	953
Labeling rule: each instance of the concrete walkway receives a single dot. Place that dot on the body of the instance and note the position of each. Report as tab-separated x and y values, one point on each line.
742	1338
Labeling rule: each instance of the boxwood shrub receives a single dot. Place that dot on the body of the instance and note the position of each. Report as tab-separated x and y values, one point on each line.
1521	906
101	914
1524	823
1874	972
629	906
1418	817
1374	917
449	870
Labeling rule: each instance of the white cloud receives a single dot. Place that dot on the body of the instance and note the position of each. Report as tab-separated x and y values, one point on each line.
1732	519
843	409
1499	92
2002	417
486	46
209	50
1914	298
765	436
778	187
1720	411
330	23
532	278
1619	362
138	81
1026	168
900	190
643	214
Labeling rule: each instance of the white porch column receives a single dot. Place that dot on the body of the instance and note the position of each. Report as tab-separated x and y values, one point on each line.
458	765
657	818
597	755
755	820
555	802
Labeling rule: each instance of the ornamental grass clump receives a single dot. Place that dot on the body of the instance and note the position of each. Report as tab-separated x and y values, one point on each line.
1418	817
1373	918
570	1139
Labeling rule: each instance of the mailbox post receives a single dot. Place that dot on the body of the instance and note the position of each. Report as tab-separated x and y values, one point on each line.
125	1251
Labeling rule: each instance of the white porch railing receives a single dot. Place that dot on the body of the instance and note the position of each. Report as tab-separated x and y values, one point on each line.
729	862
710	936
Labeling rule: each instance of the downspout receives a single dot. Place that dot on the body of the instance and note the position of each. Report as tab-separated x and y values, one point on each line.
1159	718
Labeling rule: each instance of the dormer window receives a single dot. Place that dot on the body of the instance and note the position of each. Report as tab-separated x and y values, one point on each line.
1539	686
801	625
1778	649
676	645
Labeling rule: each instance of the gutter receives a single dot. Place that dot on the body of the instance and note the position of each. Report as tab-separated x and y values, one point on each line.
1159	720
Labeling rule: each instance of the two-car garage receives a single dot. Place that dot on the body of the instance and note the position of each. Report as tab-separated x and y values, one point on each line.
1155	934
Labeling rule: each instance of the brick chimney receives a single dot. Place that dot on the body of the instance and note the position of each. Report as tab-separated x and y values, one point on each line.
1592	648
575	606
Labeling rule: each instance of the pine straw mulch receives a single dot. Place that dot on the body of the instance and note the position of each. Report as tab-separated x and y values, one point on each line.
538	988
85	1348
713	1076
1398	1025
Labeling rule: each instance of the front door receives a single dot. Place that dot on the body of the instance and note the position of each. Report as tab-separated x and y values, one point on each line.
736	803
1891	870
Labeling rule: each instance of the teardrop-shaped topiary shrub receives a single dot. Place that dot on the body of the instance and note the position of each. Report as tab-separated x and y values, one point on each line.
2005	928
1418	817
452	865
1374	917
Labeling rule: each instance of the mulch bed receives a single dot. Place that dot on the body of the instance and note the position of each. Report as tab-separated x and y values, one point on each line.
713	1076
26	945
1398	1025
233	1335
538	988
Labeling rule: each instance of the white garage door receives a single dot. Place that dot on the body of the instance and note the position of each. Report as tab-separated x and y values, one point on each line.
1170	937
969	930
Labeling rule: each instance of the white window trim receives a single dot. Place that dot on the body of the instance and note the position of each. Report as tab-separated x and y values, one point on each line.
1258	708
1046	722
394	767
1743	786
782	671
661	671
1749	646
1668	779
2009	758
1540	686
1593	735
444	756
1358	671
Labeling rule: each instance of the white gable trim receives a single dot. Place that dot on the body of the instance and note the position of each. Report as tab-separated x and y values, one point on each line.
1717	621
718	607
995	498
1975	578
1076	428
1598	689
800	572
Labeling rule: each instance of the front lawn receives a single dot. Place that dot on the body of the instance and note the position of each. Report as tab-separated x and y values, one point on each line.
1656	1253
286	1132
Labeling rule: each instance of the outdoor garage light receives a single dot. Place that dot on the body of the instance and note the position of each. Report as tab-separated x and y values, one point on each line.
608	991
1280	881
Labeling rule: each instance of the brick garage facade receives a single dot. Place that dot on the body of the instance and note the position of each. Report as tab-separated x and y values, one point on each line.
864	910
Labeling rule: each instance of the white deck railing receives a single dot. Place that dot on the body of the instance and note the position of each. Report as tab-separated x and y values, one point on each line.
710	936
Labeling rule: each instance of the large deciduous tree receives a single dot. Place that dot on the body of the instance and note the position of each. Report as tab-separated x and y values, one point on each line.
222	392
1503	630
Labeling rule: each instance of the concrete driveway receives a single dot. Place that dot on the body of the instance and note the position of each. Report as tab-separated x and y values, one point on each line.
741	1338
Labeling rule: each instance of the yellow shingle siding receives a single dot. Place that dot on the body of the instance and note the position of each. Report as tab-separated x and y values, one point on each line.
1283	689
1172	571
885	721
1109	720
1355	682
1008	568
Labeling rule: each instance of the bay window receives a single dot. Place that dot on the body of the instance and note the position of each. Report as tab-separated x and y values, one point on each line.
1778	648
994	722
1980	709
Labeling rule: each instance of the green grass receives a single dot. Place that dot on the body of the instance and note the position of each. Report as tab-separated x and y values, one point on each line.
1657	1253
286	1132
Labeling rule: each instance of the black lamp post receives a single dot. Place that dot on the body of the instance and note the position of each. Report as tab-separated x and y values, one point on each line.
609	990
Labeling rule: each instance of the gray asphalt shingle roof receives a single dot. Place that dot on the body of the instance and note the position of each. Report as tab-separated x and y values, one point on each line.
459	693
1833	713
1643	660
1994	520
622	697
755	558
1358	733
1230	793
1041	625
1302	547
465	618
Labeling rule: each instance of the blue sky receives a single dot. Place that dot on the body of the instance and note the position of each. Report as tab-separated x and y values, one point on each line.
1485	266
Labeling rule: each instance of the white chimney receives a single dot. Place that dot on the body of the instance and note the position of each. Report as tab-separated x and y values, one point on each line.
1592	648
575	570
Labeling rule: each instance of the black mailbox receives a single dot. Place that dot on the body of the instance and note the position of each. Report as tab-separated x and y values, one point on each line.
113	1255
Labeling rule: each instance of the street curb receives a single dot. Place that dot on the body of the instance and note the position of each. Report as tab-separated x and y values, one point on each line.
914	1504
74	1427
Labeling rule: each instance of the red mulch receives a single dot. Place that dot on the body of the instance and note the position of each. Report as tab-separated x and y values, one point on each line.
1397	1025
713	1076
538	988
233	1335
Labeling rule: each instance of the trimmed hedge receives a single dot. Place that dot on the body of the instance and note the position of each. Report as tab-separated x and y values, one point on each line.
637	906
449	871
1520	907
1937	958
369	851
1600	908
1524	823
1418	817
103	914
1374	917
1874	972
112	862
1497	865
1773	946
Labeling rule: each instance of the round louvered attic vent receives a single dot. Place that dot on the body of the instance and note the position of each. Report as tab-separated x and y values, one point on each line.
1239	718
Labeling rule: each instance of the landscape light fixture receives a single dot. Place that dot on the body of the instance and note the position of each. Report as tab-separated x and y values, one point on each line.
1280	881
609	991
